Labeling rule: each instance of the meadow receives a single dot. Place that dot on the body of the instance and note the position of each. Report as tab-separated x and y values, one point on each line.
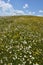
21	40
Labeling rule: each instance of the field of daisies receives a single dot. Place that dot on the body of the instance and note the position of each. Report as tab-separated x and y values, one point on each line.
21	40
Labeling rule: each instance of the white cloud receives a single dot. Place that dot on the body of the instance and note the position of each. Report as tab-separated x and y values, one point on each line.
7	9
40	11
5	6
19	12
8	0
40	15
25	6
31	13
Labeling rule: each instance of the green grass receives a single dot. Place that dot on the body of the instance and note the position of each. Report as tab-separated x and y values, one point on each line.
21	40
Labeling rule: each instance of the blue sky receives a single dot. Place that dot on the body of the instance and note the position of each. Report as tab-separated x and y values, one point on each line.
21	7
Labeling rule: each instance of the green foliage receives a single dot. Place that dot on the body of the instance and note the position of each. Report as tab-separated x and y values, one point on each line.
21	40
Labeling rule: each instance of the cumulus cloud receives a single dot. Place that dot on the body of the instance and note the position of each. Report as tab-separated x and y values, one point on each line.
40	11
7	9
19	12
5	6
40	15
8	0
31	13
25	6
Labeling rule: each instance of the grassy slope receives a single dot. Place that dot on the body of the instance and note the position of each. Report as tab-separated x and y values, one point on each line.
21	40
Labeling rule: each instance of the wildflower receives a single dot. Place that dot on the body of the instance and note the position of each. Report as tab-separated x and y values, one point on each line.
24	42
4	36
30	56
24	56
13	58
5	58
30	62
9	63
35	64
23	59
6	46
16	56
1	61
19	64
1	39
30	52
10	52
33	58
5	64
29	47
11	41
